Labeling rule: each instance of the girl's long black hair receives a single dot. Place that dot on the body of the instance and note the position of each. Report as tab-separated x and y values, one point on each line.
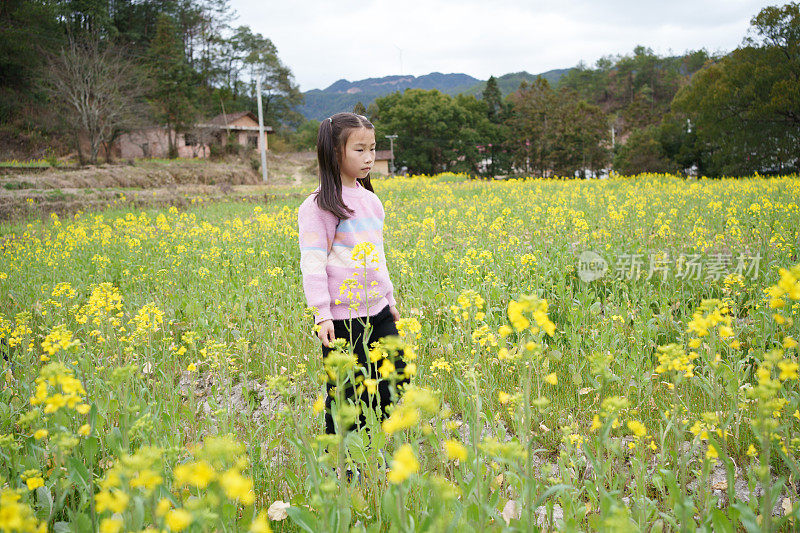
331	140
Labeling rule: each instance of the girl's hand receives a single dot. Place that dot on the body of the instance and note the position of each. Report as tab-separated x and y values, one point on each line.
326	333
395	312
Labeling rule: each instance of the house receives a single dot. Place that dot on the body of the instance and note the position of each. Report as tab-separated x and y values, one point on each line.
382	162
241	128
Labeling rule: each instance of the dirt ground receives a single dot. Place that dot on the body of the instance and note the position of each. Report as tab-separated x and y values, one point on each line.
151	183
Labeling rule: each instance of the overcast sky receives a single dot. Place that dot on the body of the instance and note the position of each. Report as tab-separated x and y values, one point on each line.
324	41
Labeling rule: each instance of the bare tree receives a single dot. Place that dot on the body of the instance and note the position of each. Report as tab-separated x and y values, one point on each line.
99	91
200	137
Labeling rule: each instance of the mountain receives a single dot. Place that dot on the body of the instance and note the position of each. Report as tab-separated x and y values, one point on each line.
342	95
508	83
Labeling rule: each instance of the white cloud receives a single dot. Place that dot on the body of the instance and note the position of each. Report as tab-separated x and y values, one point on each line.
325	41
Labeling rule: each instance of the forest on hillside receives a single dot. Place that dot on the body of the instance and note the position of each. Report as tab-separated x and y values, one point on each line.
175	62
104	67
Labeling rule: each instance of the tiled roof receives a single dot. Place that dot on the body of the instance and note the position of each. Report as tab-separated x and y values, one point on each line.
227	118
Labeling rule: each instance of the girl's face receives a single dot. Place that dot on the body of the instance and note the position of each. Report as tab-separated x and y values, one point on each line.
358	155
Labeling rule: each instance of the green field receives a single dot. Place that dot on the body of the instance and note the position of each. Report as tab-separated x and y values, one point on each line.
162	370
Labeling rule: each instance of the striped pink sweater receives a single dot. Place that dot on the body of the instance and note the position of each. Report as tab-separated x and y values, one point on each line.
333	280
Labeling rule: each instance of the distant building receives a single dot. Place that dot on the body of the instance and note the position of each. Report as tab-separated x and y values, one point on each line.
241	127
382	161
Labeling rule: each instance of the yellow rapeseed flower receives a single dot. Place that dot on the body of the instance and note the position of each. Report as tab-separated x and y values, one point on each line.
455	450
34	482
386	369
163	506
260	523
115	501
712	453
637	428
198	474
788	370
179	519
147	478
319	404
111	525
551	378
401	418
17	516
237	486
404	464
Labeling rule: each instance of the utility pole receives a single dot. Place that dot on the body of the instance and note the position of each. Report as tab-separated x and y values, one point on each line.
262	142
391	149
400	51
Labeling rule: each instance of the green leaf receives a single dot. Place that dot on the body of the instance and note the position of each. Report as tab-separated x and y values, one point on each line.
303	518
90	447
45	499
358	502
79	522
746	517
721	522
137	514
355	447
78	472
114	440
389	506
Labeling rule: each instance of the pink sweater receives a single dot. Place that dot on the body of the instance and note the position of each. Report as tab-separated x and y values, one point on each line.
326	258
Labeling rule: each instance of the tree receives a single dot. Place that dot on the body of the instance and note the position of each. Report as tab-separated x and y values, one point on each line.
679	144
173	91
746	106
581	136
86	19
372	111
359	108
279	93
435	132
477	130
493	99
99	90
198	63
779	29
636	89
22	24
556	132
305	136
531	125
641	153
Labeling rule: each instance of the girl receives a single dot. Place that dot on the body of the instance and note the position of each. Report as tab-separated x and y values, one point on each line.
349	290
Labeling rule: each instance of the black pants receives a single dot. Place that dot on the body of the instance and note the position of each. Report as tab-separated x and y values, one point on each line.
382	325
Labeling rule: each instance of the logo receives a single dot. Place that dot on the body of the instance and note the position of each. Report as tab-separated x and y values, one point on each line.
591	266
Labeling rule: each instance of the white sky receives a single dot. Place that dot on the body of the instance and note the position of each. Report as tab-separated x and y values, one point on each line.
323	41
